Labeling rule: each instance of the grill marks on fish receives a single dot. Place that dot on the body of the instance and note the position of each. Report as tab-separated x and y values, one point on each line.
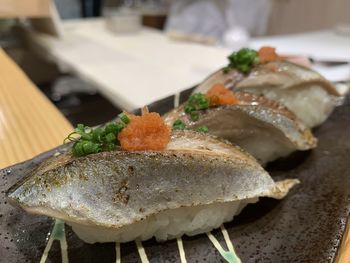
121	195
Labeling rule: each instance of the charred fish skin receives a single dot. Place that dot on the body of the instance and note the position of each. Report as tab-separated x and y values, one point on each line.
278	74
302	90
297	135
227	121
118	188
192	187
264	128
245	98
285	75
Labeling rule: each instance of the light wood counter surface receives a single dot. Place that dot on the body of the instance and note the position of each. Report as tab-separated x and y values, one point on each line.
29	123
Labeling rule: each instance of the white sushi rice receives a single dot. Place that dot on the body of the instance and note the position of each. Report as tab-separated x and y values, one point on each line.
312	105
167	224
265	148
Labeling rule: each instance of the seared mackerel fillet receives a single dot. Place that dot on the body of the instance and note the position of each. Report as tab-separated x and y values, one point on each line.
279	74
118	188
264	128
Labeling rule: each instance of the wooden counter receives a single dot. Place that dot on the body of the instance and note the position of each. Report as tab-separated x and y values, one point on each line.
29	123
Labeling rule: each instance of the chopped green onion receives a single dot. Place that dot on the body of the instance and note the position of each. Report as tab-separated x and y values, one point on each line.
97	139
110	138
194	115
203	129
189	109
124	118
179	125
80	127
81	148
242	60
97	134
196	102
120	126
111	128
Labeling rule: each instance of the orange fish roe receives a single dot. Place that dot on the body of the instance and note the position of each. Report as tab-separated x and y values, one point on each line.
219	95
146	132
268	54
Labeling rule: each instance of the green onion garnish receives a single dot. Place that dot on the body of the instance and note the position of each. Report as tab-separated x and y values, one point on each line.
124	118
203	129
194	115
195	103
94	140
242	60
179	125
198	101
81	148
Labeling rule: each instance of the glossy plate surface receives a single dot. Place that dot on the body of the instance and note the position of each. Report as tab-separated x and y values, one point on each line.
306	226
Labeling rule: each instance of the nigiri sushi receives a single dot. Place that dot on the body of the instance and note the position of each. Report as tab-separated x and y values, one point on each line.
264	128
192	186
302	90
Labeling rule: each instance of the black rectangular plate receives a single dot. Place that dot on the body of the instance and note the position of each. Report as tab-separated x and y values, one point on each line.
306	226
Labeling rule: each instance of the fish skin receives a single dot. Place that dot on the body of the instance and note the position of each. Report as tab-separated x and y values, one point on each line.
279	74
118	188
245	98
226	121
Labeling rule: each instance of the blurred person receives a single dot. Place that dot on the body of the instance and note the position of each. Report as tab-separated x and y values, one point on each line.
222	21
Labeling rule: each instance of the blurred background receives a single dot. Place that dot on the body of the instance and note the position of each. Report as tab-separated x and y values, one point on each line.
84	54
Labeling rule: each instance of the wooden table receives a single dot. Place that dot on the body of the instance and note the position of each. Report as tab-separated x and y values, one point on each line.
30	124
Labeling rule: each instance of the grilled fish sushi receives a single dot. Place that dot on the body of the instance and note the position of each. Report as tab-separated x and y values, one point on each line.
194	185
264	128
303	91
